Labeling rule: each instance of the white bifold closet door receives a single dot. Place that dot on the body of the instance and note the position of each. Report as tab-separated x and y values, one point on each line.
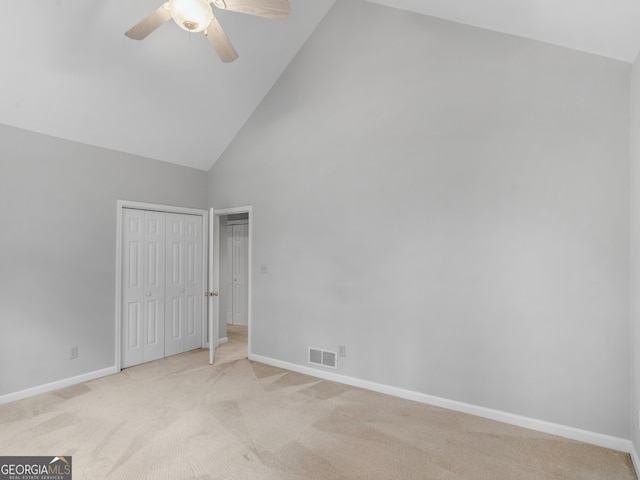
161	285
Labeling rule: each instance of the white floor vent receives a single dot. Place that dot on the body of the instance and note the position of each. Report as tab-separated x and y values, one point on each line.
323	358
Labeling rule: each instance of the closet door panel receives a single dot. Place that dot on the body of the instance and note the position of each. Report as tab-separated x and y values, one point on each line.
142	286
154	258
175	284
132	314
193	282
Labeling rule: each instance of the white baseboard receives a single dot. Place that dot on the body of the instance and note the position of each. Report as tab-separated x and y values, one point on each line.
634	458
223	340
48	387
602	440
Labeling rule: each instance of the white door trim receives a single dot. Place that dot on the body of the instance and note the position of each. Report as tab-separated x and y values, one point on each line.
216	267
122	204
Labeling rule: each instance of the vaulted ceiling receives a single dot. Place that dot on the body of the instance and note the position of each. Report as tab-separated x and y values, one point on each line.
610	28
69	71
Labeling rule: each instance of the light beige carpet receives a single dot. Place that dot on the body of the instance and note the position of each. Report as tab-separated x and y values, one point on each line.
179	418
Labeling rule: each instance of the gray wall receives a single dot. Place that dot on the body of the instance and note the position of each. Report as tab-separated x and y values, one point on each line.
501	165
635	263
57	249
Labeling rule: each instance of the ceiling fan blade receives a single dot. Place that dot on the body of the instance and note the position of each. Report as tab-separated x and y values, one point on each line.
219	40
149	24
276	9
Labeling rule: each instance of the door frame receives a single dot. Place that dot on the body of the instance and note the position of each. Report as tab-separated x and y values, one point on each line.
216	266
121	205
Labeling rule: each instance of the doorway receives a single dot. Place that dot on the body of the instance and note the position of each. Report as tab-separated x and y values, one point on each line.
233	275
234	254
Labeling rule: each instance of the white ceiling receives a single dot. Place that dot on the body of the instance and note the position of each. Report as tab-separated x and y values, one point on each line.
67	70
610	28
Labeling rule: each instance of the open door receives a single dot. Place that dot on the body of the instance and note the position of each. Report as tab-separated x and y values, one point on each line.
212	293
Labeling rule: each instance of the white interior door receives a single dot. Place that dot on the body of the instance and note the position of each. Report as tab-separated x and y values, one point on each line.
183	326
154	346
193	282
142	286
239	273
212	280
175	285
225	268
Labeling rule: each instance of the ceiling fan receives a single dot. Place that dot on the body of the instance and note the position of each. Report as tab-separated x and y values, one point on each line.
197	16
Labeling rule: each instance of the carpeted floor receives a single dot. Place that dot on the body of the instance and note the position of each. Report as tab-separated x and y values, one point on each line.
179	418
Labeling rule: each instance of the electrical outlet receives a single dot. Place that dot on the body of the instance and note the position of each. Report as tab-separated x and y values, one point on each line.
73	352
342	351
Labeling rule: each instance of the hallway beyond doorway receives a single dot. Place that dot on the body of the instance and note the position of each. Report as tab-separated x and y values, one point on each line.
235	348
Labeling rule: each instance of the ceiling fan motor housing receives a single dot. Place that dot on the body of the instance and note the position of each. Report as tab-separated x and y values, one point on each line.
191	15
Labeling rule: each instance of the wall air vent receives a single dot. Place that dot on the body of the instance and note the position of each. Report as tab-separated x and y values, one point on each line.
323	358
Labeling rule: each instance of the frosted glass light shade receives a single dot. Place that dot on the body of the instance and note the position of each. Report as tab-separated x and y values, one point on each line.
191	15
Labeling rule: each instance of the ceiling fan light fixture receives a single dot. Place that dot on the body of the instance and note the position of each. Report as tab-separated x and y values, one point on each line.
197	16
191	15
